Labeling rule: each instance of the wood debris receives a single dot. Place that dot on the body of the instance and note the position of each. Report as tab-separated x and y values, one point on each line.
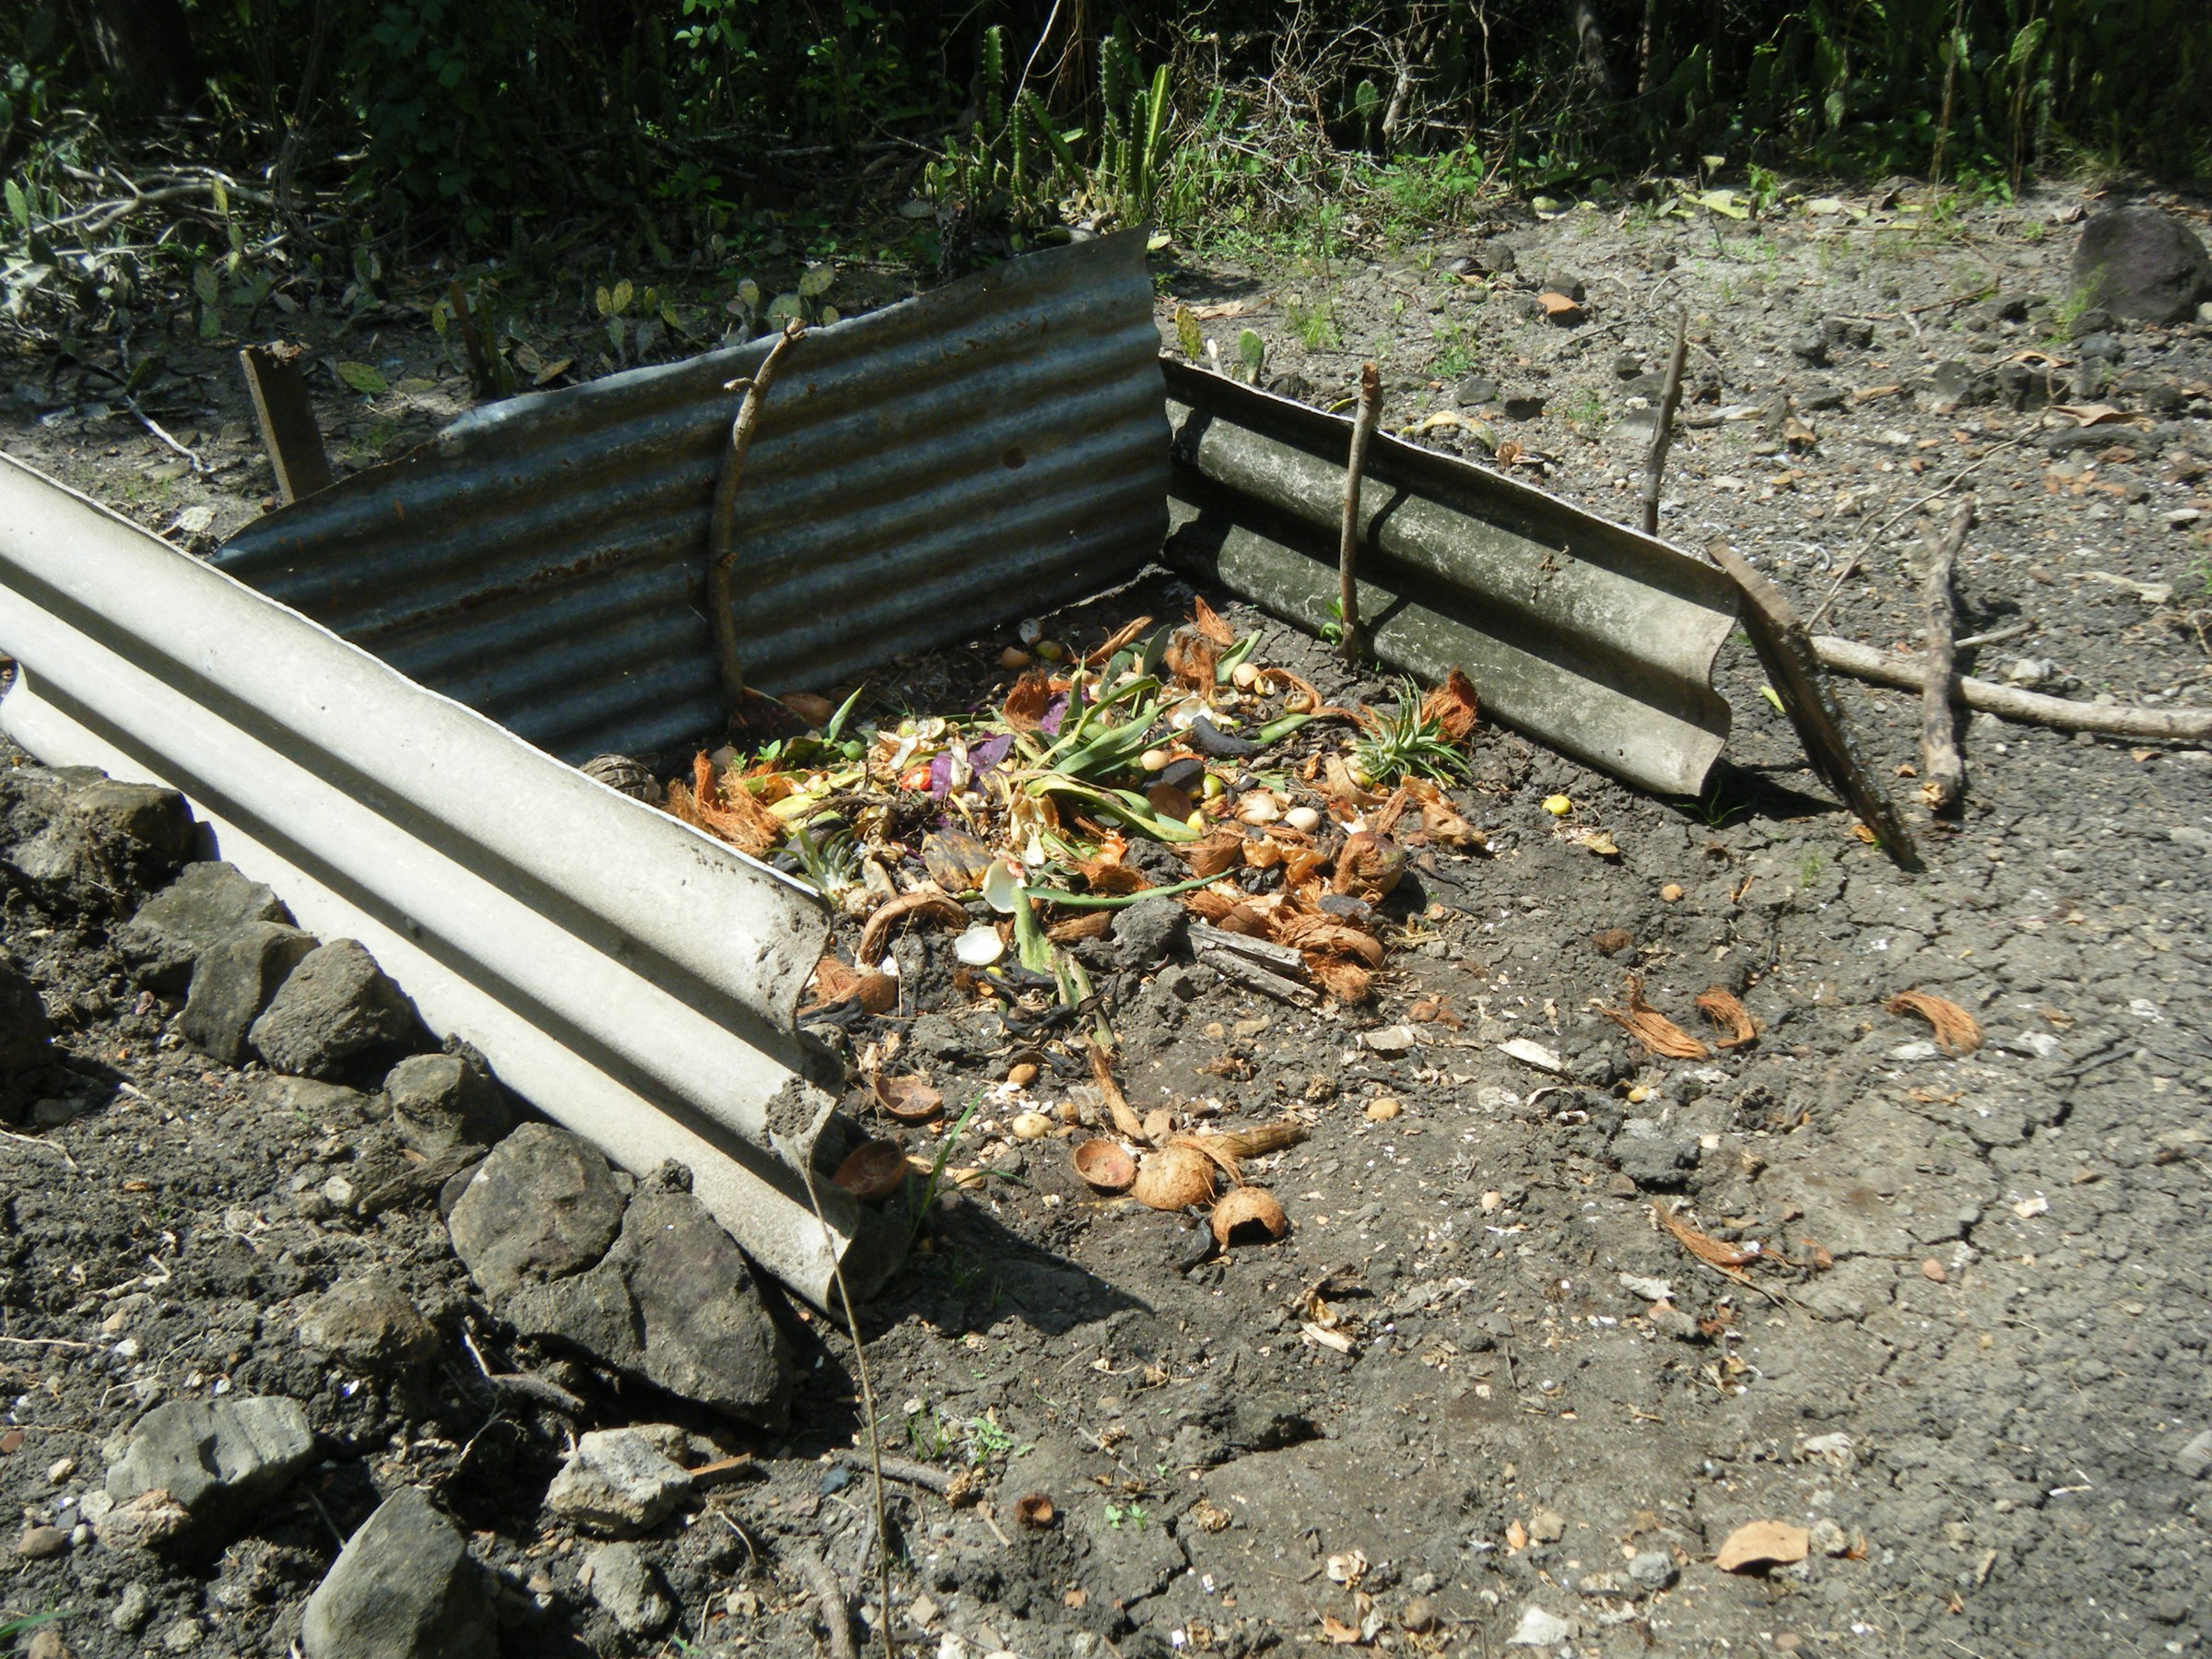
1956	1032
1661	1035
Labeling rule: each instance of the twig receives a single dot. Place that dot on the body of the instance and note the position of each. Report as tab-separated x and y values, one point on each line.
1347	556
31	1140
720	556
2030	708
525	1384
829	1597
1663	433
1943	773
1996	636
199	467
837	1265
905	1469
60	1342
1850	561
481	366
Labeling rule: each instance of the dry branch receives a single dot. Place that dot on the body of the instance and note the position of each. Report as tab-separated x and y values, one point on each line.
1942	772
2008	703
1663	433
720	556
1348	556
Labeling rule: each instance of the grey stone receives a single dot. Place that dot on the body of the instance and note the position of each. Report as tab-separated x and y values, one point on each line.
2141	263
334	1011
625	1584
1654	1161
404	1587
2194	1459
41	1543
205	903
673	1302
1953	383
1148	931
542	1207
1478	389
220	1460
368	1322
1567	283
1540	1629
132	1610
23	1028
1854	333
441	1101
233	981
1811	348
619	1482
76	834
1652	1569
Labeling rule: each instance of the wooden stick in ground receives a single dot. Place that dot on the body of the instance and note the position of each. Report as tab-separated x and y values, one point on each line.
2009	702
1348	556
1942	771
720	556
1662	434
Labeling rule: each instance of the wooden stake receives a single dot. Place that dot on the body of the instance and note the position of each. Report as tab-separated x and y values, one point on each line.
720	556
1942	772
1347	556
1662	434
2009	702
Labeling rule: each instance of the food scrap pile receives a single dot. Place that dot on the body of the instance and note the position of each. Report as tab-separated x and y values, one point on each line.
1164	764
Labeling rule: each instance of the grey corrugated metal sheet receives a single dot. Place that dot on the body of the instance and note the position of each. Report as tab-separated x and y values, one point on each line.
1586	634
920	472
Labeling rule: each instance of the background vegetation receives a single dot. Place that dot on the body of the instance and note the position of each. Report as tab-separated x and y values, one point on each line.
223	150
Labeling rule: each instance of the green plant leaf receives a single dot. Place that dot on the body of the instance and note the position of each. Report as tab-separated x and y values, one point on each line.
204	284
19	206
363	379
815	281
620	300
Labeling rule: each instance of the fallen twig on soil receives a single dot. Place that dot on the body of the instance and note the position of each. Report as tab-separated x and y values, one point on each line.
1943	773
523	1385
1348	556
720	556
1663	433
2009	702
940	1481
830	1601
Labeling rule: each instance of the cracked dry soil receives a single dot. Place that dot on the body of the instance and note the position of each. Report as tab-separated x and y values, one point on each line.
1970	1362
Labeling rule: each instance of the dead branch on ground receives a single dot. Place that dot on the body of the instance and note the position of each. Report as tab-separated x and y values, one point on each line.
1662	434
1943	772
1348	556
720	556
2009	702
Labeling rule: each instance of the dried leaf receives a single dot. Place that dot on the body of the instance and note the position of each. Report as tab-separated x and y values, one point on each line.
1025	705
1956	1032
1440	819
1763	1543
1204	619
836	981
909	1099
1661	1035
1304	930
1334	1630
1720	1006
1116	640
956	859
923	901
1452	706
1729	1258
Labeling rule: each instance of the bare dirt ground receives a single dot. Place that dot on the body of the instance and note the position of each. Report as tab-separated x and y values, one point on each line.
1479	1395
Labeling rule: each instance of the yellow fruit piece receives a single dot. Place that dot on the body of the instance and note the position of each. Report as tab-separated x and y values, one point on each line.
1558	806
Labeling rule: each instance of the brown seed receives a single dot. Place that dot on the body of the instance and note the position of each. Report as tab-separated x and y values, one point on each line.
1035	1510
1382	1110
1671	892
1013	658
1933	1269
1022	1074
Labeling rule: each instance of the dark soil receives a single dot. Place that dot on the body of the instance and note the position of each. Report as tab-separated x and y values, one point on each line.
1967	1360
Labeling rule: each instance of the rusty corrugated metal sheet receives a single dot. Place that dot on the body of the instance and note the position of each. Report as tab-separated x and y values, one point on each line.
920	472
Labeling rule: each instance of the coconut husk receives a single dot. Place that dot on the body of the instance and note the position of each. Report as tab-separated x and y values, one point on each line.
1172	1178
1453	707
1122	636
1025	705
1125	1120
1661	1035
1367	866
1731	1259
1720	1006
1204	619
1956	1032
836	981
1345	981
1089	924
1248	1206
729	815
923	901
1217	855
1440	819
